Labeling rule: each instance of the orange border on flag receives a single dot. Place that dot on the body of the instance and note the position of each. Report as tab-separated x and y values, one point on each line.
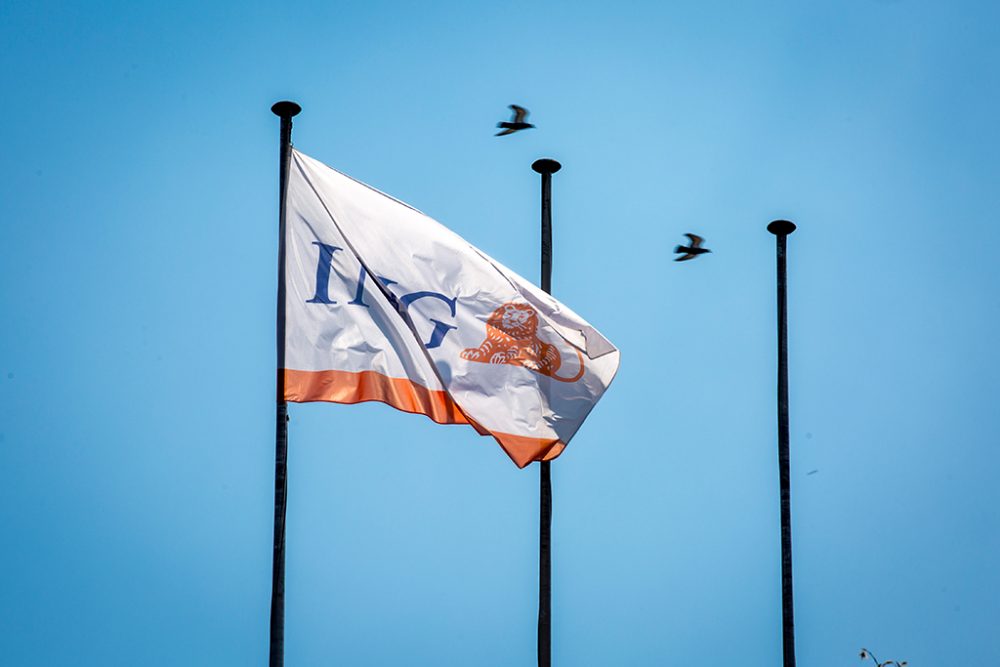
359	387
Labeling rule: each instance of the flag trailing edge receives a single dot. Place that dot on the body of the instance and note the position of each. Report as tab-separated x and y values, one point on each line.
385	304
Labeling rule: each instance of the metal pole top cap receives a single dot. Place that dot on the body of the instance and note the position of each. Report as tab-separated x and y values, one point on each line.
546	166
781	227
285	109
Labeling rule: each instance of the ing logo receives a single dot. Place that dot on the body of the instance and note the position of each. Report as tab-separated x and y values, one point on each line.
512	338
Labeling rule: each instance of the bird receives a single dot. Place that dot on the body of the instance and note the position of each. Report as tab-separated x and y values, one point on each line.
515	123
813	472
692	250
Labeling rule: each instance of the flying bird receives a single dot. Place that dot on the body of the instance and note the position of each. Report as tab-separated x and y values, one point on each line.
692	250
515	123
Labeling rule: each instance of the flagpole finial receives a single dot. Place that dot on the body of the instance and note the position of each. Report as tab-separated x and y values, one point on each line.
781	227
285	109
546	166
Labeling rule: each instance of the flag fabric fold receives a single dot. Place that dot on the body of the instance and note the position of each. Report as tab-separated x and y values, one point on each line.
385	304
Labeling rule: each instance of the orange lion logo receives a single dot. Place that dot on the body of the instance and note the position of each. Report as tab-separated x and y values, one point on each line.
512	338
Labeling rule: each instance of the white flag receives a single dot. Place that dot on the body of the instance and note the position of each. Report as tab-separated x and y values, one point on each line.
385	304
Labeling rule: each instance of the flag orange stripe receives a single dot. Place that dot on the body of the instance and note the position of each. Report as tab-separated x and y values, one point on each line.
348	387
523	450
351	387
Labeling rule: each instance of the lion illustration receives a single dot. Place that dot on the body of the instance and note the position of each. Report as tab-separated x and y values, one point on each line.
512	338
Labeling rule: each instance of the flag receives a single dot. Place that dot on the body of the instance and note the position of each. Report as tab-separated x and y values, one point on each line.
383	303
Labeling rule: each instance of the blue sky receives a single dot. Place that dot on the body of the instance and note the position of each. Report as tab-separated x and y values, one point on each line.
138	219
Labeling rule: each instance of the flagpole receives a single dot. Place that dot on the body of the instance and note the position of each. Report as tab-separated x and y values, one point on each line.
781	229
284	110
546	167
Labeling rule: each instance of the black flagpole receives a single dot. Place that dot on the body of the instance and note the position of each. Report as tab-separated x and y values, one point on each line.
285	111
546	168
781	229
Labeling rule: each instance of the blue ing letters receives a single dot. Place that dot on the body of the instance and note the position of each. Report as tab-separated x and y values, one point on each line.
323	273
322	293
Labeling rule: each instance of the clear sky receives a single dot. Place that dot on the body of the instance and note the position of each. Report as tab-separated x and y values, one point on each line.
138	223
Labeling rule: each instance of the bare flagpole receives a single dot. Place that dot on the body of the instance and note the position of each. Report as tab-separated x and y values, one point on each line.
285	111
546	167
781	229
